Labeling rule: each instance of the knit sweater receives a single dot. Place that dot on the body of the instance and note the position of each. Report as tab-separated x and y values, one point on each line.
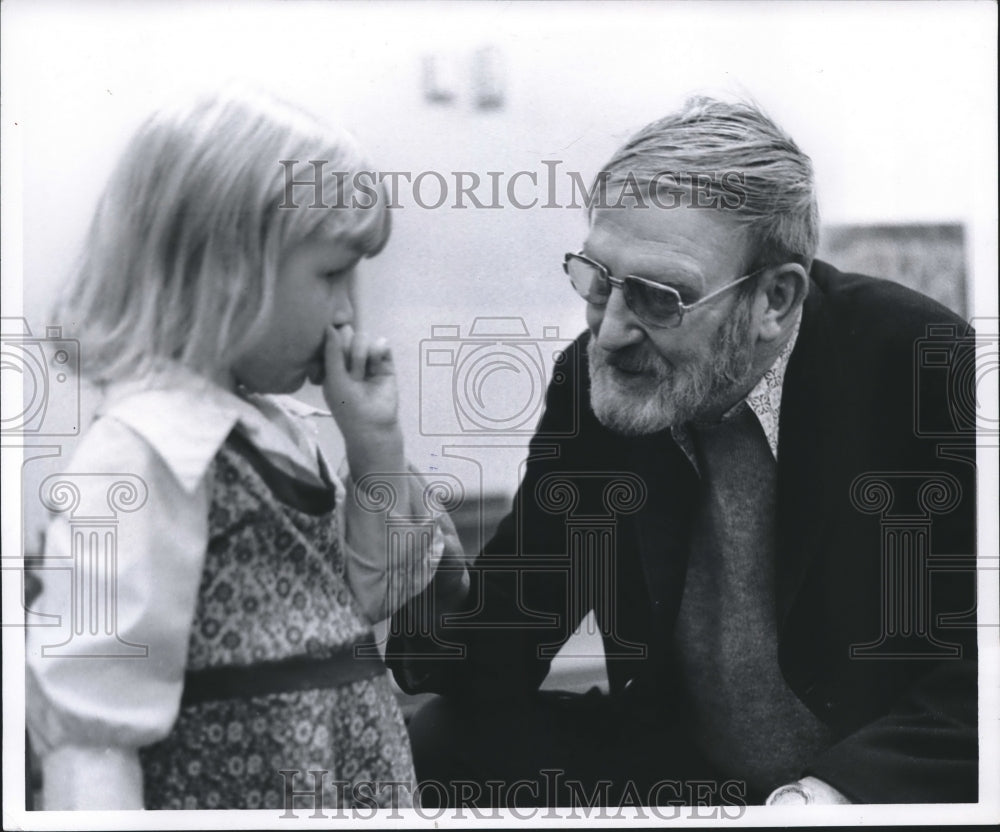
747	721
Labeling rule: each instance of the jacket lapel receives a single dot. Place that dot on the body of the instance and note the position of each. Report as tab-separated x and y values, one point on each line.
663	524
806	443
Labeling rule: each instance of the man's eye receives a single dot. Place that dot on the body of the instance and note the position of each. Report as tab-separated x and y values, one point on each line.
682	290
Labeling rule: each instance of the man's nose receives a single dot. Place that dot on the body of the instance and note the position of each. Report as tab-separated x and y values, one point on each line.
617	326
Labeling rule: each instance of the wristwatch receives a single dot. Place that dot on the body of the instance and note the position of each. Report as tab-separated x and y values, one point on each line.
794	794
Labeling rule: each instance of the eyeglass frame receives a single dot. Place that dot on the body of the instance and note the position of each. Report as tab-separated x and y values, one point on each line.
620	283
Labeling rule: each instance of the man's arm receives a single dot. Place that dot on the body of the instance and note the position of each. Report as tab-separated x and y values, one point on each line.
907	725
486	620
924	750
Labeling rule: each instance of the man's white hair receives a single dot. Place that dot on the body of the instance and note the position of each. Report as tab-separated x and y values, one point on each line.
710	137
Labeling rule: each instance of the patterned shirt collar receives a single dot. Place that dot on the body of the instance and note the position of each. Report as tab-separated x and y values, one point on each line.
764	400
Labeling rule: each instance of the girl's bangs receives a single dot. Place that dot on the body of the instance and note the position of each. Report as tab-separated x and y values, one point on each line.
364	229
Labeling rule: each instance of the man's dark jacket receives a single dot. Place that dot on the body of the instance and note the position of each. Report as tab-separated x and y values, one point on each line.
874	454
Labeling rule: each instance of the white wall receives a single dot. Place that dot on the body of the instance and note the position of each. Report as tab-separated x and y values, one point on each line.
895	103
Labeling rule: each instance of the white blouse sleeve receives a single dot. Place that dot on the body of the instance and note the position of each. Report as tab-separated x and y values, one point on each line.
124	555
393	541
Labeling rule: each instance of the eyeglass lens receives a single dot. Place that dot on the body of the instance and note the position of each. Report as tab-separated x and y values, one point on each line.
651	303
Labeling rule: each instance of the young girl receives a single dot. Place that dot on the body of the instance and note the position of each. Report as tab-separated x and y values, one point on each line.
250	574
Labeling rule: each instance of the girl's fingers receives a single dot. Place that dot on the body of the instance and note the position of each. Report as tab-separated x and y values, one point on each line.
346	335
358	364
380	358
334	353
353	354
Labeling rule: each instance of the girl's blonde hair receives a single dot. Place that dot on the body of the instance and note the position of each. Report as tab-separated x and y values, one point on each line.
181	258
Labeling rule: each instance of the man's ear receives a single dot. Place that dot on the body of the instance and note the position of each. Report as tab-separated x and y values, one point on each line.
784	289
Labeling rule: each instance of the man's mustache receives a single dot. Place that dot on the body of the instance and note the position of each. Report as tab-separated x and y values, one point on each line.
631	360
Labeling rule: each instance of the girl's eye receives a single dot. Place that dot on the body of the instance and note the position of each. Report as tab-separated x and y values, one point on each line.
340	272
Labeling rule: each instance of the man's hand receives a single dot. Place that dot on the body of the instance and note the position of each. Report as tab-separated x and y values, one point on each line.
360	389
807	791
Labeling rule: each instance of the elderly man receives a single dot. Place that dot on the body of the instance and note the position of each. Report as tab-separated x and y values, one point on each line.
738	410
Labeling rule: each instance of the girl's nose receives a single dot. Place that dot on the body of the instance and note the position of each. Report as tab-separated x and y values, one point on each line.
342	304
617	326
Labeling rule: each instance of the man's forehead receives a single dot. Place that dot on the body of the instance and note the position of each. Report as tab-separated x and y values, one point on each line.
697	243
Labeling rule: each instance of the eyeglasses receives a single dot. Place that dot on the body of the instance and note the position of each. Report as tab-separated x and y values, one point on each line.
653	303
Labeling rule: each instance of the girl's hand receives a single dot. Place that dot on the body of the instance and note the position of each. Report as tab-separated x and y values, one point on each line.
360	389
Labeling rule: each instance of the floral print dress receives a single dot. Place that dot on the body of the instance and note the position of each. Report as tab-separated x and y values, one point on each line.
274	689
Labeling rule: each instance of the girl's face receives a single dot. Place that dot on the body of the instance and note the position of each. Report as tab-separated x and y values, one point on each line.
314	288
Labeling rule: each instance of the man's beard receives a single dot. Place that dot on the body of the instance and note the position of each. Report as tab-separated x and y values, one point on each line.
636	393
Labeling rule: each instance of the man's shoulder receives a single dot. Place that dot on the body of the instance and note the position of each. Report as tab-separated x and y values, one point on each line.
861	347
872	307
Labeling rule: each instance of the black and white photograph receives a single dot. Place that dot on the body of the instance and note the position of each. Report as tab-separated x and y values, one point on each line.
511	414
